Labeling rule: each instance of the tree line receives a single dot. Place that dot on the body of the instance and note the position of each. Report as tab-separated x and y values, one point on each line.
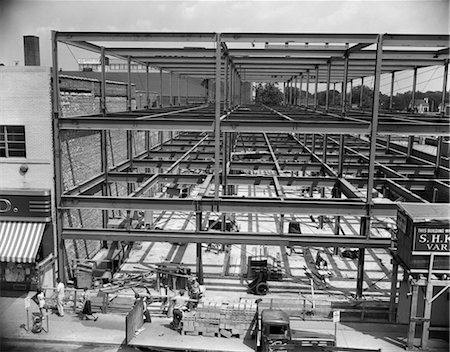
270	94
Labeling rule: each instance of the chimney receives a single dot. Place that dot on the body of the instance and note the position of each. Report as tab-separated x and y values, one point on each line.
31	50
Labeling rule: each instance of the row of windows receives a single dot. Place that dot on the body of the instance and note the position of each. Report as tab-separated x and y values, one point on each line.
12	141
115	67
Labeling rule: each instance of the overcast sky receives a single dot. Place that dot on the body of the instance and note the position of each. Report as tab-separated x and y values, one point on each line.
39	17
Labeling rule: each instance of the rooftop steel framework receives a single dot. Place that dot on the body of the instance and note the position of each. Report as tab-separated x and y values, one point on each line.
323	161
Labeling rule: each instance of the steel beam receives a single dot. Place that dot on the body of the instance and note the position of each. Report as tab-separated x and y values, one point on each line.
217	120
58	179
224	238
340	207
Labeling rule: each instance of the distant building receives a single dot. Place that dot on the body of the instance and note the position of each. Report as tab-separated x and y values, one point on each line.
421	106
191	89
114	65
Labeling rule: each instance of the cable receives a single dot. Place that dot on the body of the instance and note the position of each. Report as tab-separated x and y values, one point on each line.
374	283
431	78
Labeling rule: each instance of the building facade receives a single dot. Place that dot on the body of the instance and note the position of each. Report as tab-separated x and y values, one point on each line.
27	248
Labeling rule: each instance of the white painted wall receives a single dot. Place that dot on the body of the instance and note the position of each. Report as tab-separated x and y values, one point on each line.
25	99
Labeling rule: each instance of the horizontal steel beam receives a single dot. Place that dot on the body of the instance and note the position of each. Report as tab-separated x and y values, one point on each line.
413	129
299	38
137	36
269	239
133	124
338	207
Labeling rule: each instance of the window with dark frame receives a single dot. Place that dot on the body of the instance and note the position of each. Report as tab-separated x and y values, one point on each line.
12	141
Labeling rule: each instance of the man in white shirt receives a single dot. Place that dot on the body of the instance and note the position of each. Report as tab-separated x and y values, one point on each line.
60	297
179	306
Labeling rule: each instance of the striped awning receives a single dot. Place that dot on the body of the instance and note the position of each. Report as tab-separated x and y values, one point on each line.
20	241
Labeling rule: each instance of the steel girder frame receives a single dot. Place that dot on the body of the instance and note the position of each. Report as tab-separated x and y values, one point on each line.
227	125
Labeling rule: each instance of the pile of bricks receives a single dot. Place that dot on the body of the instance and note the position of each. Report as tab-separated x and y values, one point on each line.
220	319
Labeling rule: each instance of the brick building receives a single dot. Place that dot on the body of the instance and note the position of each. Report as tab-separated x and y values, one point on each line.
28	247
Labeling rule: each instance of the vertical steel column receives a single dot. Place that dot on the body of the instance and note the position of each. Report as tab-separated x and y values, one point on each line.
147	87
129	84
103	144
217	120
337	193
198	225
313	145
179	91
344	86
410	146
170	89
333	101
225	107
413	315
374	125
290	91
240	90
160	88
129	136
391	96
341	155
393	294
230	85
442	114
360	269
224	164
300	89
427	308
327	93
316	86
438	156
295	91
365	221
391	103
187	90
413	95
307	88
57	152
413	104
350	94
444	87
103	83
361	92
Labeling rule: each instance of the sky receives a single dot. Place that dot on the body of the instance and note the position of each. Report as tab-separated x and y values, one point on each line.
39	17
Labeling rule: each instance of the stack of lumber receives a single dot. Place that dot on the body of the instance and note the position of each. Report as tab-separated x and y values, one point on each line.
126	281
220	319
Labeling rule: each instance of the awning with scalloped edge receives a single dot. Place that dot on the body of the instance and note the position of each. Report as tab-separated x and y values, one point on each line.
20	241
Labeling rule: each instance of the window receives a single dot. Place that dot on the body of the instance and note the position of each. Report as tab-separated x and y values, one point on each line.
12	141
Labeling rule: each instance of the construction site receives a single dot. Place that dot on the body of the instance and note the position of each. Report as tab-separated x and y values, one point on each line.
300	212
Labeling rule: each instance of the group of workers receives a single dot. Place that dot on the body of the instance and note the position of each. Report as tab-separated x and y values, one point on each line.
178	304
182	302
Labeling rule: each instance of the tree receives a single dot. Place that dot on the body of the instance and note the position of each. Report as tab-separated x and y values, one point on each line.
268	94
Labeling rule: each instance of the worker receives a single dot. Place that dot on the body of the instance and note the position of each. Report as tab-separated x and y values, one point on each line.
195	291
180	305
321	263
41	301
145	301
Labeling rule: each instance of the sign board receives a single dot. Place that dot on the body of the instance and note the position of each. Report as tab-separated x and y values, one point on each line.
27	302
336	316
431	239
18	205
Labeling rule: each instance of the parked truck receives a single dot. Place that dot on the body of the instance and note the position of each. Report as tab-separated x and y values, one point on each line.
274	333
